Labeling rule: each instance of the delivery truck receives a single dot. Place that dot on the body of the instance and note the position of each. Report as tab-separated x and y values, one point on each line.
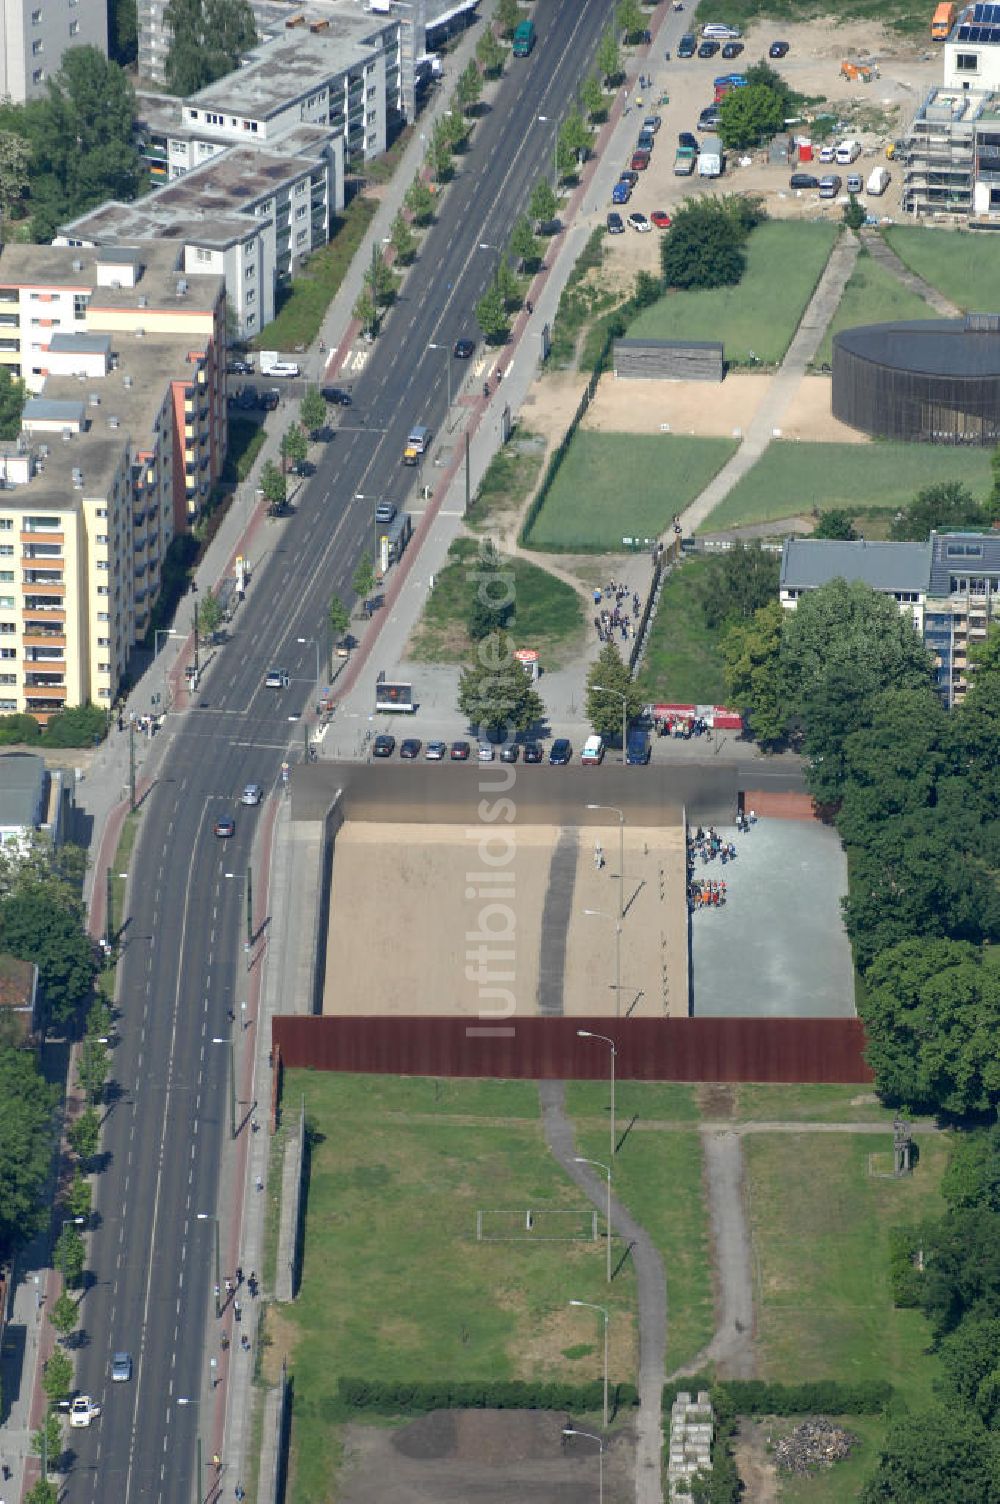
878	180
942	22
710	158
273	364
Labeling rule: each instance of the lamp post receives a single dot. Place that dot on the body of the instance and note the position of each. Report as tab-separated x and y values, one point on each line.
575	1431
447	352
603	914
248	884
315	642
607	1170
211	1217
194	592
162	632
591	1306
232	1081
614	810
588	1034
547	120
184	1400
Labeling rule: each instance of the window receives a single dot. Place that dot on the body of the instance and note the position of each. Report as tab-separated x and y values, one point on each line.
102	616
74	27
102	538
251	271
104	642
101	512
7	653
302	211
251	295
7	628
8	704
8	603
6	577
6	550
37	47
36	16
104	668
6	524
8	678
103	590
38	76
302	237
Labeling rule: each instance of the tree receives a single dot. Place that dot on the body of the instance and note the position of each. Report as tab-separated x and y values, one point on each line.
893	765
13	395
312	410
455	128
566	160
70	1255
935	1456
493	597
294	444
604	704
123	31
743	580
495	694
27	1125
338	616
57	1376
751	652
18	728
209	37
609	59
972	1175
705	247
523	246
93	1069
835	524
576	134
970	1358
439	158
749	116
961	1271
364	577
630	19
84	1135
508	16
65	1315
420	201
42	1492
364	310
544	203
491	316
593	97
272	483
210	615
470	86
15	161
943	507
855	213
79	1197
32	928
507	285
404	242
47	1440
78	726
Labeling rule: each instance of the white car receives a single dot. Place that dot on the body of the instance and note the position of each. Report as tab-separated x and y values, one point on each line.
828	154
486	752
82	1411
639	222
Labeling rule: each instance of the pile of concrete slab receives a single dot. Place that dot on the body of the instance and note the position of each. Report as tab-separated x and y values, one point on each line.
691	1427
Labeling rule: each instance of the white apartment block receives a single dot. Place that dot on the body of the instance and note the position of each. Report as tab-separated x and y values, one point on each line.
118	451
972	51
34	34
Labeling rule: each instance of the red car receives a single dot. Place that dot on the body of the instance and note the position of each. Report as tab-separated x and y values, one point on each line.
460	751
640	161
660	220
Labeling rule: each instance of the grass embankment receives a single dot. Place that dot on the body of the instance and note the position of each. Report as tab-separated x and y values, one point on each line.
616	486
791	479
758	316
683	663
510	478
872	296
246	440
963	265
303	302
548	614
395	1285
910	17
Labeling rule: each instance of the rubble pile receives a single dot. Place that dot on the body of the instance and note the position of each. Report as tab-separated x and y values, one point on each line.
813	1445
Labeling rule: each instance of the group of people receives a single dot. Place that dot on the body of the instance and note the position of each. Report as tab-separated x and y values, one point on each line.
710	893
706	895
682	726
614	617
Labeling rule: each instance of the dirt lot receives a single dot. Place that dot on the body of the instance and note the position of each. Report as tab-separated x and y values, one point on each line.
429	878
711	410
481	1457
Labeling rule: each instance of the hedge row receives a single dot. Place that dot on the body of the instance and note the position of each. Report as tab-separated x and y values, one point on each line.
758	1397
489	1394
904	1276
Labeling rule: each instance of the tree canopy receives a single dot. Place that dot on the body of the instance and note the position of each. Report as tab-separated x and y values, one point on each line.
945	506
495	694
34	929
208	39
706	246
935	1457
27	1126
608	680
749	116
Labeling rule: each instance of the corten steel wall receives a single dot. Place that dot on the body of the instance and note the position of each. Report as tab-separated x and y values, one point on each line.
537	1049
891	402
772	806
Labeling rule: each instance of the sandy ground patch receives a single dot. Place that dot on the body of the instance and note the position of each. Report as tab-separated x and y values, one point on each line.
550	404
808	416
437	909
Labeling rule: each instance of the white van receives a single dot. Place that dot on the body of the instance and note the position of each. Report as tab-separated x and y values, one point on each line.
848	152
593	750
715	31
878	182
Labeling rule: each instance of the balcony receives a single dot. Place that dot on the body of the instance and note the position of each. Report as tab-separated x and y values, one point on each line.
31	535
50	691
45	580
35	637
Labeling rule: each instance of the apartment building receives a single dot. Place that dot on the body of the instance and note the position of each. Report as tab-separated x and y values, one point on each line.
949	587
120	444
34	34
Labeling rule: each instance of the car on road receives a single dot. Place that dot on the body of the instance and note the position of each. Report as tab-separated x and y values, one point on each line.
560	752
621	192
239	367
252	794
82	1411
121	1368
435	751
661	219
639	222
463	348
803	180
732	49
224	827
510	752
384	746
277	678
485	752
615	223
409	747
778	49
532	752
687	45
685	138
270	400
336	396
460	751
708	48
640	161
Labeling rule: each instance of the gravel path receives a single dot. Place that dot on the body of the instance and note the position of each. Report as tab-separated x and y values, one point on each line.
732	1346
886	256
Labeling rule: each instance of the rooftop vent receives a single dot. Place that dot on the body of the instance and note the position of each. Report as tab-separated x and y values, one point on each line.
143	301
93	400
66	435
182	287
127	383
77	480
116	284
140	334
112	422
77	264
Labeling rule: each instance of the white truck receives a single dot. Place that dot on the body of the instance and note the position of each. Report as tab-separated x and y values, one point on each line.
710	158
273	364
878	180
847	152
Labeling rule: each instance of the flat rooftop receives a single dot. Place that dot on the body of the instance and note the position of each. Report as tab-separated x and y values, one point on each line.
281	71
75	267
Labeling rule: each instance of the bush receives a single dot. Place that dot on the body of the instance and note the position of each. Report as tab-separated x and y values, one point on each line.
904	1276
18	728
79	726
759	1397
420	1397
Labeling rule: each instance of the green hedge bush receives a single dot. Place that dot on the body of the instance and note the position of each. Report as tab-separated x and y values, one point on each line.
758	1397
491	1394
904	1276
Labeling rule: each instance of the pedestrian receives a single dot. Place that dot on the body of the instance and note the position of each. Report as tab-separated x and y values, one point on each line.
254	1125
216	1461
229	1285
245	1343
224	1341
237	1311
239	1276
260	1183
529	306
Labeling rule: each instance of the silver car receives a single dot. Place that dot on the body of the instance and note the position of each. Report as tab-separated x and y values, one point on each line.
435	751
121	1368
252	794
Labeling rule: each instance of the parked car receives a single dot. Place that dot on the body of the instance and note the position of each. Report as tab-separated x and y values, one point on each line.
628	176
637	748
803	180
732	49
708	48
560	752
509	752
435	751
661	219
646	141
532	752
460	751
252	794
621	192
485	752
384	746
463	348
652	123
639	222
409	747
640	161
708	119
239	367
778	49
828	153
855	182
685	138
830	186
616	225
336	396
593	751
270	400
687	45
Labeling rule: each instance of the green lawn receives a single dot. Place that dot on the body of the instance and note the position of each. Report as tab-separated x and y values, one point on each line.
872	296
759	315
510	478
246	440
394	1283
906	16
791	479
649	1101
682	661
303	303
616	486
548	612
812	1104
964	265
820	1227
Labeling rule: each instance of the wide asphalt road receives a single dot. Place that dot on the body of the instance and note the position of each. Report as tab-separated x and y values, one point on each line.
152	1249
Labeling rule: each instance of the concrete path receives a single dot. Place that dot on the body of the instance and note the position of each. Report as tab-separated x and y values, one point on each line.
784	385
651	1285
883	253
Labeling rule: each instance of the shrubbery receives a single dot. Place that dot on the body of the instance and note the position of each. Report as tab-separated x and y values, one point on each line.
422	1396
904	1276
761	1397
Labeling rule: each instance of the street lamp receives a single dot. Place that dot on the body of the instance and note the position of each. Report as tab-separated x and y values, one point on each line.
575	1431
211	1217
588	1034
603	914
607	1170
547	120
360	496
624	699
186	1400
162	632
248	883
591	1306
385	240
232	1081
315	642
447	352
614	810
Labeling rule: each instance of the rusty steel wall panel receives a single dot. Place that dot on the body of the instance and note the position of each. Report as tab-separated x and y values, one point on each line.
770	1050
